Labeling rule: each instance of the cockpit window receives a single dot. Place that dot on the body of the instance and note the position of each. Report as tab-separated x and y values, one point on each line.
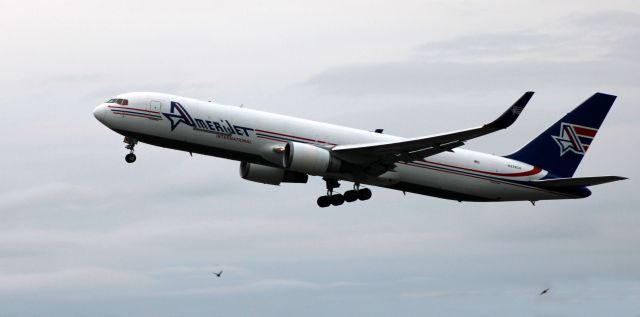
122	102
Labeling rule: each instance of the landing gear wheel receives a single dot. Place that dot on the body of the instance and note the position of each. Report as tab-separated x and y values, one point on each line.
337	199
364	194
130	158
350	196
330	198
131	144
324	201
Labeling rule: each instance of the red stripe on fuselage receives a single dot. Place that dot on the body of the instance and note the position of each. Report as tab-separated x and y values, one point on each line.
533	171
293	136
272	139
129	108
136	115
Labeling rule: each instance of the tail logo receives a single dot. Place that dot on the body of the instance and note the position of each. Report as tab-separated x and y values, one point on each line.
182	115
515	110
574	138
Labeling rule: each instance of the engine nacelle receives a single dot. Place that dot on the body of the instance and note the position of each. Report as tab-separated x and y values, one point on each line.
270	175
309	159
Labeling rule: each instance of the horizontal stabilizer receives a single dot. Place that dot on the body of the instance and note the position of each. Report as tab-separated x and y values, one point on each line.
577	182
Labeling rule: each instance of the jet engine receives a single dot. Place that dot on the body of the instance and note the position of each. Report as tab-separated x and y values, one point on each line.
270	175
309	159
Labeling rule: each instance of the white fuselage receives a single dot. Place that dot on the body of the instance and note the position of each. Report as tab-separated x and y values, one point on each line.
254	136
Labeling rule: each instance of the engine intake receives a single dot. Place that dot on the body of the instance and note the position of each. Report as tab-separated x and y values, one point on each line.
270	175
309	159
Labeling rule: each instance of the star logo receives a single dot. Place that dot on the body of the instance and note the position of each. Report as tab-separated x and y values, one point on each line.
178	115
574	138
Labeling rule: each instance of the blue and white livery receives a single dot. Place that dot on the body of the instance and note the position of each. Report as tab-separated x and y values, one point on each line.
275	149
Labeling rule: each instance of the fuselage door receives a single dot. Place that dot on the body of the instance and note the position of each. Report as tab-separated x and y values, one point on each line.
155	105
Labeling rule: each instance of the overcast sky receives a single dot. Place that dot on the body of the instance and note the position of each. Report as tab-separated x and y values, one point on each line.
83	233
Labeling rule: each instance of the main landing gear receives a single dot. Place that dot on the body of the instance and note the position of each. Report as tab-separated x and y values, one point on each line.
339	199
131	143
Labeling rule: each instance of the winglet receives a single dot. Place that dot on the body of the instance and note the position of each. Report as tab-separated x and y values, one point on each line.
510	116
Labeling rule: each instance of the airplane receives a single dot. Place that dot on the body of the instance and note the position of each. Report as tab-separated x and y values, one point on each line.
274	149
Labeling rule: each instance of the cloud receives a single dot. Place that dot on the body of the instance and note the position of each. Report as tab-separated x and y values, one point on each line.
237	239
609	21
152	231
75	280
504	47
46	194
432	78
429	294
267	286
485	62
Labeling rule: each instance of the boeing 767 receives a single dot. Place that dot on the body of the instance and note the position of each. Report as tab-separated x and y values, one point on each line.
274	149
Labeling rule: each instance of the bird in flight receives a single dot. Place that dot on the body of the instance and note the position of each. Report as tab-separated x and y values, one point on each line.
218	274
544	291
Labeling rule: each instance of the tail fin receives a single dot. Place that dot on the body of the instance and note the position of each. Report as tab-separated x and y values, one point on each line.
561	147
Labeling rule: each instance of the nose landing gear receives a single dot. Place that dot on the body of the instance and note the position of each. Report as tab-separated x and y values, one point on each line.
339	199
131	143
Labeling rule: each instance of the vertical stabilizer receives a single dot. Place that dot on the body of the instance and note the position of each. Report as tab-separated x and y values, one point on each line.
562	146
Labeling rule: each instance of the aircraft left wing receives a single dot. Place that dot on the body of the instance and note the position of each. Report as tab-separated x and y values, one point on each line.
384	154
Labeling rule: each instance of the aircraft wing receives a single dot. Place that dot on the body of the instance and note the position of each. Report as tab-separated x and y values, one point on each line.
384	154
578	181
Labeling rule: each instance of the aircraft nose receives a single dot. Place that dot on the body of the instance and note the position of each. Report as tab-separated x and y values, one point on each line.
100	112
